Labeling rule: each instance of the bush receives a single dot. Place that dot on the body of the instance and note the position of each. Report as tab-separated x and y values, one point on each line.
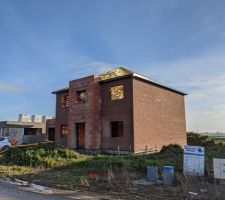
42	155
48	156
199	140
172	149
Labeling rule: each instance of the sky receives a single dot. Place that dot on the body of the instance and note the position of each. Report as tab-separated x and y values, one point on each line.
46	43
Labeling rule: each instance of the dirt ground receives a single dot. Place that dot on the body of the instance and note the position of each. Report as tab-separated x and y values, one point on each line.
189	188
13	191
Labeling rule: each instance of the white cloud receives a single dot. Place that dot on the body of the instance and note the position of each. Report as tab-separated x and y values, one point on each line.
206	105
203	78
7	87
84	66
206	121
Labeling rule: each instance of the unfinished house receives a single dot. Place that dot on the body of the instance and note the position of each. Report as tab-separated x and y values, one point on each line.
119	110
28	129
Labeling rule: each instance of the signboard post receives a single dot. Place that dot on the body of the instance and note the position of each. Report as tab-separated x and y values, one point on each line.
194	160
219	168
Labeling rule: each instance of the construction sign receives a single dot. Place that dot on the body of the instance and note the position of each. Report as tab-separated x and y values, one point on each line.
219	168
194	160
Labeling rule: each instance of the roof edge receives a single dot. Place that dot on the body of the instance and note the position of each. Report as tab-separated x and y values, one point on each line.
158	84
115	78
143	78
127	75
61	90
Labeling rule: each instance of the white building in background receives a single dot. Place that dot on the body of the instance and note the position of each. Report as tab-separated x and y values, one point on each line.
28	128
24	118
33	118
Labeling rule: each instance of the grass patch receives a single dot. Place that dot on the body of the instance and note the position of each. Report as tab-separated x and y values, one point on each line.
61	167
45	155
16	170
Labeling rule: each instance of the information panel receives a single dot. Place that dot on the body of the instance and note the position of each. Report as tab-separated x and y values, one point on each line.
194	160
219	168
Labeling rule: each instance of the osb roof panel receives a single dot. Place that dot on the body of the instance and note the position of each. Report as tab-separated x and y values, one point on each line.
121	71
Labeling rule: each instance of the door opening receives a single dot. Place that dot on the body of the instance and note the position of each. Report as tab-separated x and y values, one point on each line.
51	134
80	135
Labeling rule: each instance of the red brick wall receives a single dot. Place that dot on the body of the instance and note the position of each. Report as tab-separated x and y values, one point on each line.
159	116
61	119
88	113
117	110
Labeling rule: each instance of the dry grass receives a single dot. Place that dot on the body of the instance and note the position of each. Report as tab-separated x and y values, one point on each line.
17	170
116	174
119	182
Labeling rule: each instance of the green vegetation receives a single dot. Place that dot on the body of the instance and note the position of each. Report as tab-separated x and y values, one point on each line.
15	170
58	166
199	140
212	149
42	155
46	155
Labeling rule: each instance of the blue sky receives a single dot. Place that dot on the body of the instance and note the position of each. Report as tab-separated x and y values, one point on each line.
46	43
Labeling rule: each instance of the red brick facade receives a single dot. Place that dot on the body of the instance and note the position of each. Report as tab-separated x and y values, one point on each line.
151	115
159	116
118	110
88	112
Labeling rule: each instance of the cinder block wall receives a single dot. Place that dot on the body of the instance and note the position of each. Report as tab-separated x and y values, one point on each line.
88	113
117	110
50	123
159	116
61	119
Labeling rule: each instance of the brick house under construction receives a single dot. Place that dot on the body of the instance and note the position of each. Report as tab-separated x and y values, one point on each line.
119	110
